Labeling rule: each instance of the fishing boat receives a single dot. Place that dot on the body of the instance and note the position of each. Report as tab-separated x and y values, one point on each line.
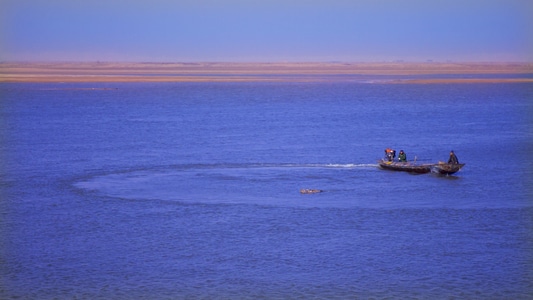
405	167
446	169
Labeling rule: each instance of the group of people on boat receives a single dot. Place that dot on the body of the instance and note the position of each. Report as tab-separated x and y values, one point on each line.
390	154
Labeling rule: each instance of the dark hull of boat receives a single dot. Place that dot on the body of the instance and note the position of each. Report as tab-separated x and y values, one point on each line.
405	167
446	169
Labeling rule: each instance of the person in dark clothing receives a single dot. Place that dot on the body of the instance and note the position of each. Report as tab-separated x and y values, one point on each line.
402	157
453	158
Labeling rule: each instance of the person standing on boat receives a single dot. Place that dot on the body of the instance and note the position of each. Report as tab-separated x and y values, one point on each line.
402	157
453	158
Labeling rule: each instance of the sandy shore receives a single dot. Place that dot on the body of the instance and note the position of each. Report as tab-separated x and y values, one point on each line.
228	72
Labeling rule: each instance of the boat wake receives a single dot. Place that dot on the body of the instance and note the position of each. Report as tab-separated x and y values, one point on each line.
276	165
352	166
257	183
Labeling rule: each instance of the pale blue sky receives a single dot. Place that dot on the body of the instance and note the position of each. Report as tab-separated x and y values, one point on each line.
267	30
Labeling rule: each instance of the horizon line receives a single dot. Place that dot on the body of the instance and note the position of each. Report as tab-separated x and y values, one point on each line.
273	61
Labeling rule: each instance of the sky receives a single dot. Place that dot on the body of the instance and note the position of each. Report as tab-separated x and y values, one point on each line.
266	30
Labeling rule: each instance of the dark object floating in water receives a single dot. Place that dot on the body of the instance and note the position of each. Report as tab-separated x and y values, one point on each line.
310	191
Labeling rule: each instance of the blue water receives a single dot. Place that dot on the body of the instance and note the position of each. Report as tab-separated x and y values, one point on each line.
191	190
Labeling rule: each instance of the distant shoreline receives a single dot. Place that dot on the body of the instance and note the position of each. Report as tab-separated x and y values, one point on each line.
49	72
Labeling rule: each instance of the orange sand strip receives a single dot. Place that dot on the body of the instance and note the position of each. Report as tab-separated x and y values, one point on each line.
224	72
463	80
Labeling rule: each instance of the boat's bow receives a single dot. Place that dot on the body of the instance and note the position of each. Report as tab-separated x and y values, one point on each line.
446	169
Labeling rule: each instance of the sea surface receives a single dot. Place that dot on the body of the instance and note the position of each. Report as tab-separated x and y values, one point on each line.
192	191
